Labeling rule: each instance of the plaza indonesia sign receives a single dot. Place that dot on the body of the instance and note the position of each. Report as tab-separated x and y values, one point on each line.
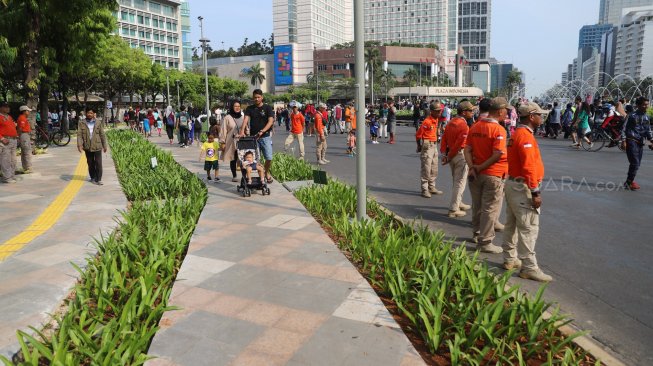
437	91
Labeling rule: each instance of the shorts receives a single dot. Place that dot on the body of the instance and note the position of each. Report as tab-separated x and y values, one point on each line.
373	134
582	131
392	125
265	145
208	165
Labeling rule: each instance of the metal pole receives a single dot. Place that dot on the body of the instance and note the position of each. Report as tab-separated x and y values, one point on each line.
359	53
178	99
168	87
316	77
206	72
372	84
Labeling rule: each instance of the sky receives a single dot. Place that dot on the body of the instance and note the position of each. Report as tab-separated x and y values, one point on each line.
540	37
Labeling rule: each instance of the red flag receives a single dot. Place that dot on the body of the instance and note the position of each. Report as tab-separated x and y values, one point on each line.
450	61
420	60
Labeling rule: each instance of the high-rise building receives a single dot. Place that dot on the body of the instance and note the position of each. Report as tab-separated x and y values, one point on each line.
590	35
154	27
611	11
187	43
300	27
474	29
634	48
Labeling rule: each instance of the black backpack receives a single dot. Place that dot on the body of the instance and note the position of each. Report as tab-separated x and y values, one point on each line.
198	125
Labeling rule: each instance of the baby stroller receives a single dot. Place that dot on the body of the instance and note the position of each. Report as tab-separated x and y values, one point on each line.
244	145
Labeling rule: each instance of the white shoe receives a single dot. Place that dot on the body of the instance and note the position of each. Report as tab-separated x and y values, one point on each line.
321	162
326	161
464	207
458	213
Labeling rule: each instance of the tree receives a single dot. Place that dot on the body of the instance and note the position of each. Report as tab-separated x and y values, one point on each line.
373	64
388	80
255	73
513	80
410	76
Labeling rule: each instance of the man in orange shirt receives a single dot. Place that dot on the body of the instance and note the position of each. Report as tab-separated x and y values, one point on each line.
297	123
24	130
523	200
486	156
350	117
8	138
451	147
321	144
427	140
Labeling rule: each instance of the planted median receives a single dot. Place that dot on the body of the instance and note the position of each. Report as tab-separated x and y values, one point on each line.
114	310
462	312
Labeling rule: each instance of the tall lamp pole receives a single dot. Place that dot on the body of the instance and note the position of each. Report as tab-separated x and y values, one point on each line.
178	99
168	86
359	54
317	77
206	72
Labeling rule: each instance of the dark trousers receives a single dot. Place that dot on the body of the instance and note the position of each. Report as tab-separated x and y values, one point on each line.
567	130
634	151
554	130
183	135
232	166
170	130
94	161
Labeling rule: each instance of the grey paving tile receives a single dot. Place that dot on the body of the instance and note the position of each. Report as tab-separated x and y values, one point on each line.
245	281
14	267
172	343
33	298
301	300
321	253
208	352
357	344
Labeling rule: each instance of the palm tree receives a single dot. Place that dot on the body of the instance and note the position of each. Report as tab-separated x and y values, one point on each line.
513	80
372	62
387	80
256	74
410	76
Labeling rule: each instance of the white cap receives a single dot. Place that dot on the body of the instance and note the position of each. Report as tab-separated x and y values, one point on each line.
24	108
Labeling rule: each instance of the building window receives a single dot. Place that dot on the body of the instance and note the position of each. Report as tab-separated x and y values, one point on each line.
141	19
340	66
124	16
140	4
155	7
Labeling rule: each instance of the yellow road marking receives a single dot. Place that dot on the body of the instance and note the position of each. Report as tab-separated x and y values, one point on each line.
49	216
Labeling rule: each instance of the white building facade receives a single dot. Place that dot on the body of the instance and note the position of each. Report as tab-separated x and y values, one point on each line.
634	51
306	25
611	11
154	27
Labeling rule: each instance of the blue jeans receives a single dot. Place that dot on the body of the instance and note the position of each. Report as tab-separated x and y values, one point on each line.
265	145
634	151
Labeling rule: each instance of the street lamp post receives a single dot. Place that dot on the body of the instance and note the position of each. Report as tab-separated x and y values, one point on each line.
168	87
359	54
316	77
206	72
178	100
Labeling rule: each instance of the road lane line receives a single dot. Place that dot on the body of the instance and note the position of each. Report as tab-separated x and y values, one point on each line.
49	216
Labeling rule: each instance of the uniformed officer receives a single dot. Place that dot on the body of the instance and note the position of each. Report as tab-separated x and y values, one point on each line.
485	154
523	200
451	147
8	143
427	139
635	130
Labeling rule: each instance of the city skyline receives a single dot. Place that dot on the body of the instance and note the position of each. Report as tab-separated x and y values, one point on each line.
539	40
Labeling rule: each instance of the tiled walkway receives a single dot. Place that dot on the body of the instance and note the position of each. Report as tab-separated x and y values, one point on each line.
262	284
35	280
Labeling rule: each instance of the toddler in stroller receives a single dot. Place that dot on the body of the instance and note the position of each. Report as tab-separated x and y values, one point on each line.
248	157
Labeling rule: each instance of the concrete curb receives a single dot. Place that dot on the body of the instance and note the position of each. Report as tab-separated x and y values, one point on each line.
586	342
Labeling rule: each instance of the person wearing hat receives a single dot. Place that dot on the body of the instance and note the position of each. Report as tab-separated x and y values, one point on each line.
24	130
523	200
8	140
92	140
427	139
321	144
486	157
297	122
451	147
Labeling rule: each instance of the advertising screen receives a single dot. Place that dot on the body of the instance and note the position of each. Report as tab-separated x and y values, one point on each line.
283	65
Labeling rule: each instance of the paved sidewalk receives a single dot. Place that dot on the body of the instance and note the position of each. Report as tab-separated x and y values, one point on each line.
262	284
35	280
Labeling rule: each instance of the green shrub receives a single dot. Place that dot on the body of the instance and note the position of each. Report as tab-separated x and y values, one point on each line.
461	309
287	168
123	290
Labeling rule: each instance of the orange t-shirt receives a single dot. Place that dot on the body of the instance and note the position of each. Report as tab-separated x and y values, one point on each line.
524	159
23	124
297	123
319	126
428	130
350	116
485	137
7	127
454	137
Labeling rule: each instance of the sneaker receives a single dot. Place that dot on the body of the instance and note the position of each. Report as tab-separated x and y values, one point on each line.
98	183
426	194
475	238
535	275
208	178
217	180
326	161
513	264
321	162
633	186
435	190
235	179
458	213
27	171
499	226
464	207
9	181
489	248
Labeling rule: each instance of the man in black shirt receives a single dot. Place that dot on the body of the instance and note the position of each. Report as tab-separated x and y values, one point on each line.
260	119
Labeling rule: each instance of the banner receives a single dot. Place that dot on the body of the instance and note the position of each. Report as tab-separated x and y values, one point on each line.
283	65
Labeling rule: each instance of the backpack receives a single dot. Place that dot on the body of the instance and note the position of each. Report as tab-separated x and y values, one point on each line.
170	120
198	125
183	119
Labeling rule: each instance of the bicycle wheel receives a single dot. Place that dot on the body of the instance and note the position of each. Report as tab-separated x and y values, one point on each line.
42	142
593	141
61	138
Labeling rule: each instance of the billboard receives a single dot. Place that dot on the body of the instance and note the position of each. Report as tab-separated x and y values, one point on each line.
283	65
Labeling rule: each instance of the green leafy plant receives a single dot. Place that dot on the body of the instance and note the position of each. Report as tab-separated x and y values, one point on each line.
123	290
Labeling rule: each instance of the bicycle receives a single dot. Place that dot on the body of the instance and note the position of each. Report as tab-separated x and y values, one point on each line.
43	139
597	138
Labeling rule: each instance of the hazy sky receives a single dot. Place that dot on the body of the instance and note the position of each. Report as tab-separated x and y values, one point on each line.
539	37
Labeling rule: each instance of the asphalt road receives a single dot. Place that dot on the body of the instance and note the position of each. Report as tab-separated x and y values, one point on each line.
595	237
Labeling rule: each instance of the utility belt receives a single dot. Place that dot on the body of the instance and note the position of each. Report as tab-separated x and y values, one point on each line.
11	137
428	142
